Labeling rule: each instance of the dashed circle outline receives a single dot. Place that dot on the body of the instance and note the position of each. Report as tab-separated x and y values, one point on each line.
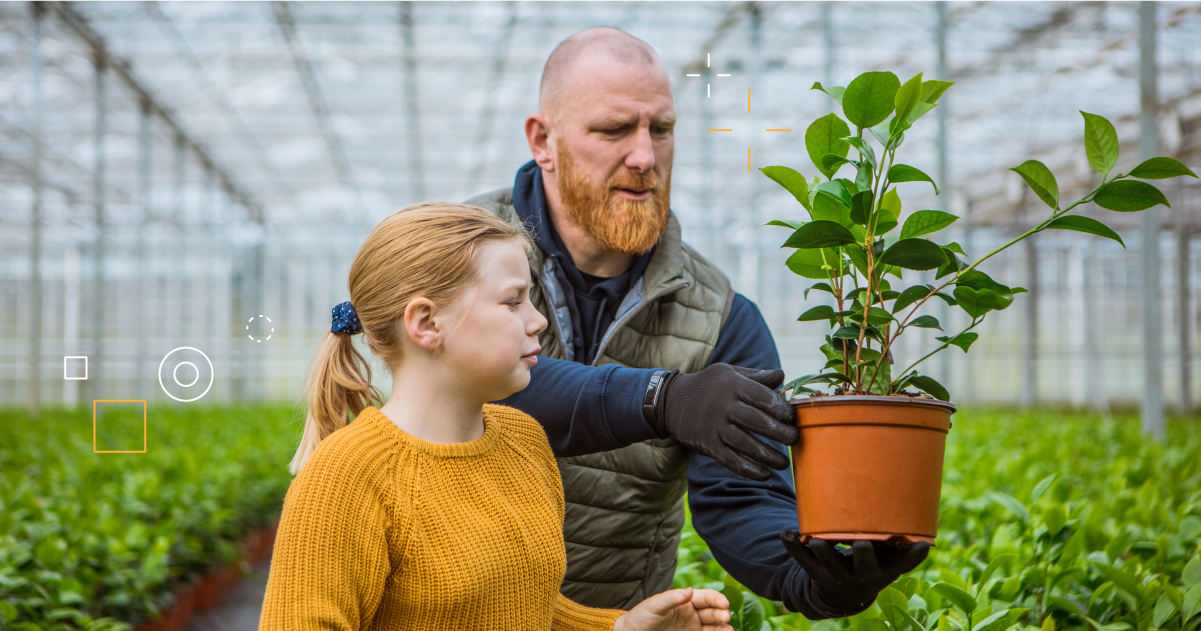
251	321
212	373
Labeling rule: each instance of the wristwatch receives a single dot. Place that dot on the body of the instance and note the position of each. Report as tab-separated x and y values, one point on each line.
651	398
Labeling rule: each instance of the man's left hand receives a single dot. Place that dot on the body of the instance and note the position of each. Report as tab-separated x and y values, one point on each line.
846	582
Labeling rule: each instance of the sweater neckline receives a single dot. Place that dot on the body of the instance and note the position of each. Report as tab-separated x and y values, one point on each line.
478	447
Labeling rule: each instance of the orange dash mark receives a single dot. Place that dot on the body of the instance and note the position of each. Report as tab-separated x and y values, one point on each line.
721	130
748	159
779	130
748	100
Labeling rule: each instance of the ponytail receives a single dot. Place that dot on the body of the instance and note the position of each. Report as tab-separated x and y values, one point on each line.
339	381
426	250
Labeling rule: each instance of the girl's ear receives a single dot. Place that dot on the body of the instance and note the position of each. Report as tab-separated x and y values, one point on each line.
421	325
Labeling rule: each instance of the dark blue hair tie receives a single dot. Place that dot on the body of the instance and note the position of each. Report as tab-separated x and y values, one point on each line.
346	320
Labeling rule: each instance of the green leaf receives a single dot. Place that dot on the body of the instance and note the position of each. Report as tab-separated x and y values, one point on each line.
962	340
791	180
822	312
1192	572
1120	577
930	387
925	322
1161	168
1189	527
990	570
861	207
933	89
905	173
1054	518
1100	142
827	208
808	264
868	100
975	302
1041	181
820	234
915	254
824	136
919	110
1041	488
819	286
1012	504
752	612
1087	225
864	150
831	163
925	222
1127	196
787	223
836	190
1164	609
907	96
835	92
847	332
955	595
991	623
892	201
910	296
885	221
1192	602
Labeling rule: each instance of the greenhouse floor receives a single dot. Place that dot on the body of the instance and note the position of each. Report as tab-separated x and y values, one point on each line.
241	607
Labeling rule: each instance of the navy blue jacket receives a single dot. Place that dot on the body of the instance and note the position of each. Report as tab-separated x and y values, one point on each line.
587	409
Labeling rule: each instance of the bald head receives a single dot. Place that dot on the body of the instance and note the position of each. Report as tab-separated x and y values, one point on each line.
601	43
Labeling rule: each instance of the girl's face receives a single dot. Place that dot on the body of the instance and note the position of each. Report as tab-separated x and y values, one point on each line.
492	341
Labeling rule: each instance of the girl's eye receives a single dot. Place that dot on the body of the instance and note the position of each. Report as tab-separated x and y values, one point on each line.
514	303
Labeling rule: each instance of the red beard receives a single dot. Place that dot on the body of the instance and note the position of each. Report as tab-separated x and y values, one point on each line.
620	224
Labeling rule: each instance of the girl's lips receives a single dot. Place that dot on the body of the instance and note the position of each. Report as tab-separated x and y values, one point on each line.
533	356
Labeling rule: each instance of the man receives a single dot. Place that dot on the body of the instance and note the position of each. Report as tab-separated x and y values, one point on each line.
624	294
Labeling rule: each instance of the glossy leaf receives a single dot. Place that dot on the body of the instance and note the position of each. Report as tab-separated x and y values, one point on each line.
1100	142
1087	225
962	340
925	322
824	136
791	180
835	92
1161	168
925	222
861	207
1127	196
907	96
914	254
955	595
934	389
933	90
905	173
868	99
1041	181
820	234
910	296
821	312
975	302
808	263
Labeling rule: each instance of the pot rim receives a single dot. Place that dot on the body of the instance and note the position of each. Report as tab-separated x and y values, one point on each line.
870	399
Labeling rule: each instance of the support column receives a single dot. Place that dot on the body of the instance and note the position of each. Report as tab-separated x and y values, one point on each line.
412	111
751	263
178	314
71	309
140	303
35	247
1153	418
1184	313
944	311
1030	348
95	382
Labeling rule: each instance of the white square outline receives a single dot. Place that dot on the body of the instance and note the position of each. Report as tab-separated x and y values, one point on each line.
85	367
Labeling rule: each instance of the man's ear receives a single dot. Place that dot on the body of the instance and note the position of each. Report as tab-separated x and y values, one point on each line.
420	324
537	133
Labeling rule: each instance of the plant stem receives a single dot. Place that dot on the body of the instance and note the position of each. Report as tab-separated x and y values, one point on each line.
944	345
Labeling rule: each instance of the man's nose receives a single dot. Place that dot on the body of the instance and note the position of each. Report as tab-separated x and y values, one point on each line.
642	153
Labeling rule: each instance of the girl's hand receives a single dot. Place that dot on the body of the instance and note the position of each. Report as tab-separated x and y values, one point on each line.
685	609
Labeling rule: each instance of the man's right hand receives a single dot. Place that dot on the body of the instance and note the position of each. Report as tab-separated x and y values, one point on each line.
713	412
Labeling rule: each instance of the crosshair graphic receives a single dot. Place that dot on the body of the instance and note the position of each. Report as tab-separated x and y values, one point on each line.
748	111
251	321
708	86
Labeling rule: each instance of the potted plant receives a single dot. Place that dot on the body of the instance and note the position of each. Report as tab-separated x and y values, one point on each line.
869	463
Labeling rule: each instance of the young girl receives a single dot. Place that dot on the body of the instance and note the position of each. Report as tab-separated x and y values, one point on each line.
436	511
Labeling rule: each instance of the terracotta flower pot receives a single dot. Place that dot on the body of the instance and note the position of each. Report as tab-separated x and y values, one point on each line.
869	467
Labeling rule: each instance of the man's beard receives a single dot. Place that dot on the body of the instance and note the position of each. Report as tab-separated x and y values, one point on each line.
615	222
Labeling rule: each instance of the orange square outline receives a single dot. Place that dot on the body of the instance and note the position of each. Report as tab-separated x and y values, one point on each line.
142	401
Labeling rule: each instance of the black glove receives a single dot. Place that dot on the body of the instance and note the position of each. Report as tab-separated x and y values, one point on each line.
846	582
714	411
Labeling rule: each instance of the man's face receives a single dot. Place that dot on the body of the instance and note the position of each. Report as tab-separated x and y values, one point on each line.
614	141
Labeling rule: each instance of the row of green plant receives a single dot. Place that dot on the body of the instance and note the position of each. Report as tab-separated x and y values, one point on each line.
1048	522
102	541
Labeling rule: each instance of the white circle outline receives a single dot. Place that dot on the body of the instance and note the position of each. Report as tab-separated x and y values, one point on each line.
206	359
175	375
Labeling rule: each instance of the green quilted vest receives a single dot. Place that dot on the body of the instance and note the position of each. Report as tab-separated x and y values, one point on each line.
625	508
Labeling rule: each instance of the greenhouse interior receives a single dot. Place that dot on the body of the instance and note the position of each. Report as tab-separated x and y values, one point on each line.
185	187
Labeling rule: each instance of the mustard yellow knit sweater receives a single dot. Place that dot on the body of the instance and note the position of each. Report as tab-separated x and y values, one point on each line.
384	530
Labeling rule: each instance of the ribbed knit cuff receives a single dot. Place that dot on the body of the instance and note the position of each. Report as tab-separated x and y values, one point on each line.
572	616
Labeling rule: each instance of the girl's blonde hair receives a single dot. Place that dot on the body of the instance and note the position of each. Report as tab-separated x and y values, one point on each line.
425	250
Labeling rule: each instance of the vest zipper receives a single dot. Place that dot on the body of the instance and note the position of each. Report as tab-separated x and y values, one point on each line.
633	312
